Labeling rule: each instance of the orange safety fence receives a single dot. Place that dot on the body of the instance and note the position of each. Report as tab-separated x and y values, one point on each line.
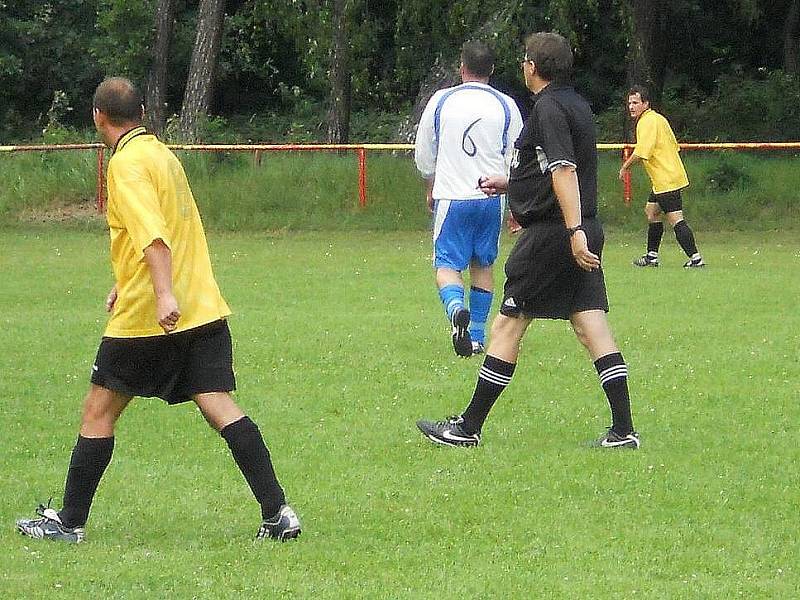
361	154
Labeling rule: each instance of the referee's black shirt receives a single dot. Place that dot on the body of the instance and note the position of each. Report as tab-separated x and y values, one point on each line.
558	131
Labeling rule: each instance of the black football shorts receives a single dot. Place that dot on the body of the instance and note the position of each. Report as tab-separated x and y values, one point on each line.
667	201
543	281
172	367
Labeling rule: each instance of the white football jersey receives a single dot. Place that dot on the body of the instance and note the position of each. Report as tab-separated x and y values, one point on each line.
466	132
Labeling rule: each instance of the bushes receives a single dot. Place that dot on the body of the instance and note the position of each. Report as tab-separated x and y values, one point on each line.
740	110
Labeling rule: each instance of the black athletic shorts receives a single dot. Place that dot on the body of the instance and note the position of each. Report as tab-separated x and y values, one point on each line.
543	280
668	201
172	367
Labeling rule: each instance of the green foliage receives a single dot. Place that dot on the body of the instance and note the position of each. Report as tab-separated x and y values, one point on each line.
124	37
275	58
762	108
310	190
43	49
729	173
39	181
340	345
305	190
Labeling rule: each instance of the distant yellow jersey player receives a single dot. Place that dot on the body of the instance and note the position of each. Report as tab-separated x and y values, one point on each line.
658	149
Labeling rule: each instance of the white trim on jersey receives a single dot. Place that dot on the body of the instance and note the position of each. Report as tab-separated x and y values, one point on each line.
442	207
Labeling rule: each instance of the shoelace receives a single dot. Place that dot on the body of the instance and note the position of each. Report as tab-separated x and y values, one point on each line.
41	508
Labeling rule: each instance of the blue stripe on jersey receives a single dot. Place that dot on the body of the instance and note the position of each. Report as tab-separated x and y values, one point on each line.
437	115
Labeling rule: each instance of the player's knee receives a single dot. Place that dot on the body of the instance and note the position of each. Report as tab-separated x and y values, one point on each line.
582	334
97	420
507	328
218	408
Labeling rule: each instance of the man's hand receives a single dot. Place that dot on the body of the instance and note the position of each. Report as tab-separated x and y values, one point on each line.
111	299
622	173
168	312
586	260
513	226
492	185
429	201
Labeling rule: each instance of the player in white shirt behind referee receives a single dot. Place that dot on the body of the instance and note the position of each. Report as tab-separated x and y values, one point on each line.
466	133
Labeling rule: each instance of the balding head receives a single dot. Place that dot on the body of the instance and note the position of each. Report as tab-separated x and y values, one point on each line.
119	100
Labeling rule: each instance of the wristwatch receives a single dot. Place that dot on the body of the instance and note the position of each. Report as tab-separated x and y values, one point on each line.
571	230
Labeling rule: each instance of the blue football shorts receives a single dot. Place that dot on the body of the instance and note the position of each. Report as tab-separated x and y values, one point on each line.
466	232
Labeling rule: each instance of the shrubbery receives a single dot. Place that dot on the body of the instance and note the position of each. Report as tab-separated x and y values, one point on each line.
740	110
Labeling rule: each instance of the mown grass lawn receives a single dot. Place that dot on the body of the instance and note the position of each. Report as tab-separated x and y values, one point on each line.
340	345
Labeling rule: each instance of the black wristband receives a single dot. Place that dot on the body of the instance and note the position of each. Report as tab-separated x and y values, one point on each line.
571	230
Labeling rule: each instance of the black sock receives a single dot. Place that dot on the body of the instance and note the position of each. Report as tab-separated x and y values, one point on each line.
614	378
494	376
685	237
90	457
250	453
654	233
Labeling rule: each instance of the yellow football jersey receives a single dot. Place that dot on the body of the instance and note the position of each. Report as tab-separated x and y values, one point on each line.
148	199
657	147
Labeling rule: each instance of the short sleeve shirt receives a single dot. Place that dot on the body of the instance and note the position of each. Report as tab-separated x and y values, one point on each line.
657	147
148	199
465	132
559	131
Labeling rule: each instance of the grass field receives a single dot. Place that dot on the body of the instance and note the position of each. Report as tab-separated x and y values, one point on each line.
340	346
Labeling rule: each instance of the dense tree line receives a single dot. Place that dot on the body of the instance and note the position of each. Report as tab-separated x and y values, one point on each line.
725	68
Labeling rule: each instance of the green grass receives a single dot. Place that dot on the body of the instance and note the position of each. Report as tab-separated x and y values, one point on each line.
340	345
319	191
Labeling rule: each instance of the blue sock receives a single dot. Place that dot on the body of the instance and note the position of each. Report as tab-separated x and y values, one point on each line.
452	297
480	302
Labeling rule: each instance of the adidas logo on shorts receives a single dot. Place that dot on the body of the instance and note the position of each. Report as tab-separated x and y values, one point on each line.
510	303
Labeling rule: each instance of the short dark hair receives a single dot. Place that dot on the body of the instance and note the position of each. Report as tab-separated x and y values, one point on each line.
551	54
642	90
477	58
119	99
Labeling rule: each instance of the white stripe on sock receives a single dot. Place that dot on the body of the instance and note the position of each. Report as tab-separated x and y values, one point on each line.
494	377
611	373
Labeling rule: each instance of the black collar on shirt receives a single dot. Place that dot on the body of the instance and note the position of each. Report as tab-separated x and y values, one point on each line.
551	87
128	136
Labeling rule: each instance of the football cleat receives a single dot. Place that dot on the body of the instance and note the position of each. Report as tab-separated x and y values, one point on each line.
612	439
462	342
478	348
646	261
284	525
49	527
694	263
449	433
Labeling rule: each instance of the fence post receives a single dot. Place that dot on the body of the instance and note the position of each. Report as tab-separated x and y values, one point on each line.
362	177
626	178
100	196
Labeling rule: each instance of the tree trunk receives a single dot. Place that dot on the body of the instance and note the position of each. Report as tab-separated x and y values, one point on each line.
200	82
442	74
156	85
791	39
340	77
647	52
